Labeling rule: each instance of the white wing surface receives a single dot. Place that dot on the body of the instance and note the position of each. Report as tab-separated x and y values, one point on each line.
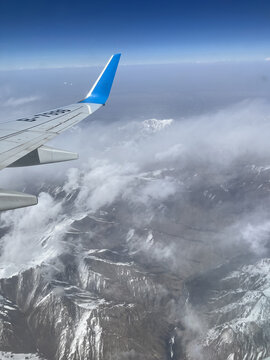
21	141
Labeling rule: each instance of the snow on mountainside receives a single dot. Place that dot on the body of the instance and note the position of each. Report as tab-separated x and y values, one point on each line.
153	125
236	305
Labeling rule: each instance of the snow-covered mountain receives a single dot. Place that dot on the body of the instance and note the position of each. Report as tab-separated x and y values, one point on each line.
154	247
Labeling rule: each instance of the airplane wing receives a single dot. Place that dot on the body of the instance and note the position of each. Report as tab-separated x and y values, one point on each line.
21	141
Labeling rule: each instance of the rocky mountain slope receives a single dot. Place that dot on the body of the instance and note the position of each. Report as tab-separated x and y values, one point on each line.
154	259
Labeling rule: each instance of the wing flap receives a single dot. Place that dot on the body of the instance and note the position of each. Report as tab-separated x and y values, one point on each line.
13	200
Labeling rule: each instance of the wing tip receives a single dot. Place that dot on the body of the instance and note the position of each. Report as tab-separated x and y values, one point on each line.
101	90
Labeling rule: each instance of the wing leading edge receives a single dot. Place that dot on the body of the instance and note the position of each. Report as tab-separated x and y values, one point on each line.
22	140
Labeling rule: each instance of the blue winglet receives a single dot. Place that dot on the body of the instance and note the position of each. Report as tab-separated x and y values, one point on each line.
102	87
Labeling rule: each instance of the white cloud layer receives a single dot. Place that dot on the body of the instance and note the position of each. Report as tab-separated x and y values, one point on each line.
134	162
34	235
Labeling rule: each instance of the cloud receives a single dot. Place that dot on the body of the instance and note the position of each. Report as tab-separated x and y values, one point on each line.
34	235
256	235
102	184
158	175
121	155
192	330
195	328
14	102
172	153
127	355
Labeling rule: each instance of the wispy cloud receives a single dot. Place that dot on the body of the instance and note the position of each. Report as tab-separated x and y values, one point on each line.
155	171
13	102
33	235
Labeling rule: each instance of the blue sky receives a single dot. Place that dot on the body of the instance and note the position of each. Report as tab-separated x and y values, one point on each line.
80	33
